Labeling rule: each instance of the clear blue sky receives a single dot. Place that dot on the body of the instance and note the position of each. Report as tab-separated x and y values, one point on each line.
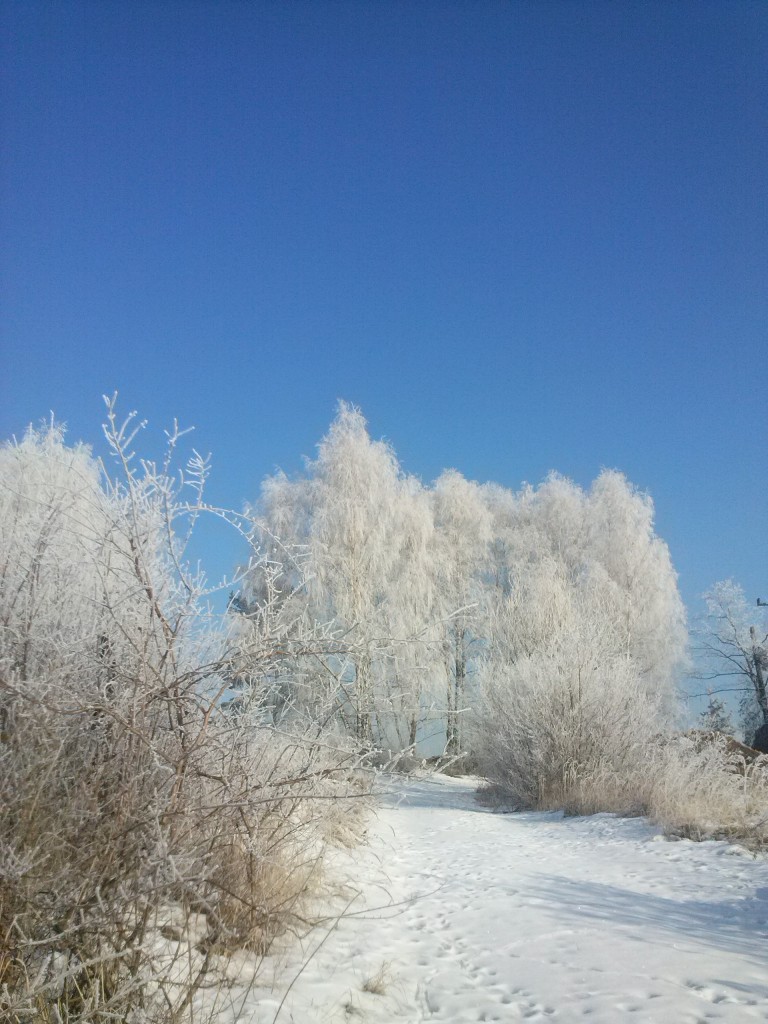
521	236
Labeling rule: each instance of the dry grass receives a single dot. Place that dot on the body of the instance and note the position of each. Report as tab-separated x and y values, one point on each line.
711	793
700	790
122	881
379	982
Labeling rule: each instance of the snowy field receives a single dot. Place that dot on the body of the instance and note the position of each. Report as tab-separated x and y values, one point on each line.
468	915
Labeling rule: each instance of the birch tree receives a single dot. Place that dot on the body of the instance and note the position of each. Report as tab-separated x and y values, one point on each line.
634	566
343	521
353	545
463	536
412	612
54	523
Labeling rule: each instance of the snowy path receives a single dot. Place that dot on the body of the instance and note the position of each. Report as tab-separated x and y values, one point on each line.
539	918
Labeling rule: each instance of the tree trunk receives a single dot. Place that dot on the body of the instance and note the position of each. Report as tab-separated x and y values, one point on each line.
456	698
412	733
364	716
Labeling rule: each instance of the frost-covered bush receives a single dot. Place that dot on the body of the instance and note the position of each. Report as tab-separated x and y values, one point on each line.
702	786
144	830
562	700
563	720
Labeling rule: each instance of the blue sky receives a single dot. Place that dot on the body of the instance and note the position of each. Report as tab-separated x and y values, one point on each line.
521	236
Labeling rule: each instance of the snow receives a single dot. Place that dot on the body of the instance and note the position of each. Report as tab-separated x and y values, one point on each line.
463	914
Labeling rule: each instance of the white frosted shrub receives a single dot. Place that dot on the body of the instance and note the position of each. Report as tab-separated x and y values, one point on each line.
144	831
555	718
562	698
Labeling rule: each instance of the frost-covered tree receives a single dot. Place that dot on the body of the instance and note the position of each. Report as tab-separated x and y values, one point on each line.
353	544
461	558
733	644
85	567
54	522
405	698
553	522
506	537
716	717
637	572
276	589
361	532
425	583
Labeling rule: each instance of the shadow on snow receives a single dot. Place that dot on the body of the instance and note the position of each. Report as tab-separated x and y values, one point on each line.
739	925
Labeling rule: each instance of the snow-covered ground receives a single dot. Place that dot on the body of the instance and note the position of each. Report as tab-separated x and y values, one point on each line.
469	915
